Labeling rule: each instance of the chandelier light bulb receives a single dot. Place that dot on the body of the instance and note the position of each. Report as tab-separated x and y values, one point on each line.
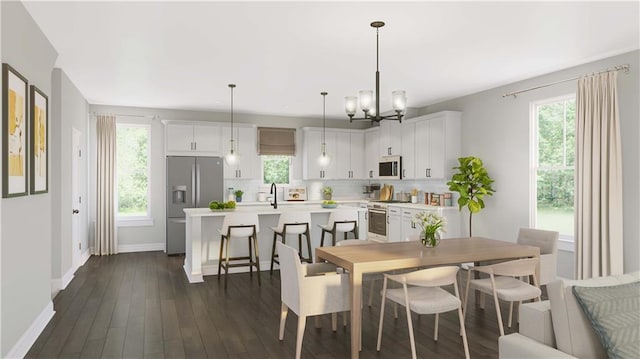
366	100
231	158
351	105
399	100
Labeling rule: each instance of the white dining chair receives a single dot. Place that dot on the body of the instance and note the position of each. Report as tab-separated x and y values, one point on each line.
504	283
421	293
292	223
309	289
239	225
344	221
547	241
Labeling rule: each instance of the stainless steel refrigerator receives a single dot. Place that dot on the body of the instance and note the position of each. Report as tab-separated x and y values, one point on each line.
192	182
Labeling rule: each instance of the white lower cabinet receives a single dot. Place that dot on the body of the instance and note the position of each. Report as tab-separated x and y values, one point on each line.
400	226
394	224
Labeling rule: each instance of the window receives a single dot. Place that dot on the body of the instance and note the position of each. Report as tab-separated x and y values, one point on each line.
554	165
132	158
276	169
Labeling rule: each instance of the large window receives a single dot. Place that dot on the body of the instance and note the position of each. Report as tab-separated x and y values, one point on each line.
554	165
132	151
276	169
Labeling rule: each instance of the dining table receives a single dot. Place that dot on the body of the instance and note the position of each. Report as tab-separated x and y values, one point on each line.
383	257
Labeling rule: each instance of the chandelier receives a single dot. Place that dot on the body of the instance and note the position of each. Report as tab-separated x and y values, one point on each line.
371	107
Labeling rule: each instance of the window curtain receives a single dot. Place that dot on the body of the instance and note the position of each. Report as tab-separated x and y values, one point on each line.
106	240
599	248
276	141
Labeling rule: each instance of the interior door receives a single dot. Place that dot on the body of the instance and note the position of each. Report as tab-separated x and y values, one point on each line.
76	200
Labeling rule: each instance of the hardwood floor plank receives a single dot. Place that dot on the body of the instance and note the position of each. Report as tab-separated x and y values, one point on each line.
114	343
134	339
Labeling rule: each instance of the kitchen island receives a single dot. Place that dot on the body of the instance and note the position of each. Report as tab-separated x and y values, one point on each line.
203	238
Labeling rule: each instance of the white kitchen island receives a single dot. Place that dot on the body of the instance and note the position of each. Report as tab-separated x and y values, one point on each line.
203	238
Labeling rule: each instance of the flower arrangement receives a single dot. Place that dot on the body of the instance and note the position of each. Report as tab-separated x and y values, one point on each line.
431	223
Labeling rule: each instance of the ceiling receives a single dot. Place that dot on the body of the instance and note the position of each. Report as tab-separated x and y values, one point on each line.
281	55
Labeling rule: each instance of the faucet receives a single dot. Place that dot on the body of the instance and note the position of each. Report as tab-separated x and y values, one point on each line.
274	192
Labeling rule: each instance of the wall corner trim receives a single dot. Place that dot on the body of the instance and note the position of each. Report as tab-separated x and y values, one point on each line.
66	278
85	257
29	337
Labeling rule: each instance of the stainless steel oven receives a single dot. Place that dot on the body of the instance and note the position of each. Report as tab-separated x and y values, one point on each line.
377	222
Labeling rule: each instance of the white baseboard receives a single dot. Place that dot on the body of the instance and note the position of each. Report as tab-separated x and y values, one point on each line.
56	283
66	278
147	247
29	337
84	257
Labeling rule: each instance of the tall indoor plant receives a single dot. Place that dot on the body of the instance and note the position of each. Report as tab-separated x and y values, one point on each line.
472	182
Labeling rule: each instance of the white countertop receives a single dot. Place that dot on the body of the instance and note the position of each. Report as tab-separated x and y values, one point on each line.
266	210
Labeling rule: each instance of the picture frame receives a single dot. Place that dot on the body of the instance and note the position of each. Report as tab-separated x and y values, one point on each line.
14	133
38	136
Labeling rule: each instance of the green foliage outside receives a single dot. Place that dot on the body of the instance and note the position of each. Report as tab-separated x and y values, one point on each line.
275	169
133	170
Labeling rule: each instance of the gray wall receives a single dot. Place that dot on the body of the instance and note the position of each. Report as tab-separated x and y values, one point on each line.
496	129
26	221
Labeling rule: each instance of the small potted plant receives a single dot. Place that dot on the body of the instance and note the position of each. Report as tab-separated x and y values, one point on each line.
238	194
432	224
327	192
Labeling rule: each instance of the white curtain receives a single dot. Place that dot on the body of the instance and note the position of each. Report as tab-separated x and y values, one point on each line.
599	249
106	240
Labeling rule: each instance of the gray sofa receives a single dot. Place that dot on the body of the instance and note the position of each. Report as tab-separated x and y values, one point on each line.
558	328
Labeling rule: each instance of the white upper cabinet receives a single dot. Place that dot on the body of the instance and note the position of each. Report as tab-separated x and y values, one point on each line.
193	139
371	152
349	155
437	145
312	142
345	149
390	138
408	150
248	166
357	155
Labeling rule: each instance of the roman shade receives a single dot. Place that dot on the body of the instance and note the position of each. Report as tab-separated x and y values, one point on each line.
276	141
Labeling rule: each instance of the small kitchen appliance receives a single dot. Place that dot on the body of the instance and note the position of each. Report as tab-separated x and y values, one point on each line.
295	193
372	191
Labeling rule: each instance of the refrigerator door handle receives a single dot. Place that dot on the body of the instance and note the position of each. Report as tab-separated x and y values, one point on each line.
197	203
177	220
193	185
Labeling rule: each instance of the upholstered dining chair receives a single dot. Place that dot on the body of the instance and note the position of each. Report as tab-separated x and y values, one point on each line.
309	289
421	293
343	220
547	241
503	283
292	223
239	225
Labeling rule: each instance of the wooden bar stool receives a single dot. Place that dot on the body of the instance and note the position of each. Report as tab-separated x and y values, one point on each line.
292	223
340	221
239	225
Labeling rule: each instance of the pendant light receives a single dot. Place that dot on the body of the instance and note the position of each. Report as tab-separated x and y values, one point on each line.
324	158
231	158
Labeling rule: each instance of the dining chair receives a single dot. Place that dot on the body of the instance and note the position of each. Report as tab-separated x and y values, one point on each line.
292	223
308	290
421	293
503	284
547	241
239	225
344	220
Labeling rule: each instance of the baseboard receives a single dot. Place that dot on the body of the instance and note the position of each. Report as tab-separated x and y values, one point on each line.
29	337
56	283
85	257
66	278
147	247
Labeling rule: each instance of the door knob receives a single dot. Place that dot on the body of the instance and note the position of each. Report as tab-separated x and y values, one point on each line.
76	211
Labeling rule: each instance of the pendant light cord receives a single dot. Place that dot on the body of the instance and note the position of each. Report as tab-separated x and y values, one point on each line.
232	86
324	99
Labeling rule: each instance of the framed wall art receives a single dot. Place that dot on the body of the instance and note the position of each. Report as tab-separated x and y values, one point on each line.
39	152
14	133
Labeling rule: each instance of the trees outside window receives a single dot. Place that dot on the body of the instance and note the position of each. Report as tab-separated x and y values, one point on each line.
276	169
132	158
554	165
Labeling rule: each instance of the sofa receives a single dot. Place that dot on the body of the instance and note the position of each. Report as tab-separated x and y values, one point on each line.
558	327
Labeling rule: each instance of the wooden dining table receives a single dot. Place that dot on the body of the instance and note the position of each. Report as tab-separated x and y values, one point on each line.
384	257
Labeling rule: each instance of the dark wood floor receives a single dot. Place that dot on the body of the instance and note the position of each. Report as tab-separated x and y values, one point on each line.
140	305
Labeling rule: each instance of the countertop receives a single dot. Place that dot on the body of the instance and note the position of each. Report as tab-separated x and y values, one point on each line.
266	209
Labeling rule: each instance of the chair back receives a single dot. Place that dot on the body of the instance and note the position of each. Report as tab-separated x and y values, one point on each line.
290	275
294	217
240	219
343	215
353	242
515	268
547	241
433	277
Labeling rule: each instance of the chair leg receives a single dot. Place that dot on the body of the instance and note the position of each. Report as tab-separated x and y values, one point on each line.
495	299
250	256
302	321
257	256
466	294
384	297
322	239
283	319
435	329
220	256
334	321
273	252
409	323
226	264
463	333
510	313
333	235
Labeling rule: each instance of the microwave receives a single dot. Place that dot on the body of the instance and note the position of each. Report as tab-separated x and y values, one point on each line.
390	167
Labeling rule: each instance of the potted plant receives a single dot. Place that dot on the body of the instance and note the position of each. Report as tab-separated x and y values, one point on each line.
327	192
472	182
238	194
432	224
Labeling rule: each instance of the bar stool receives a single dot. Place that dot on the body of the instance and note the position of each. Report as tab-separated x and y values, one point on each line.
239	225
292	223
340	221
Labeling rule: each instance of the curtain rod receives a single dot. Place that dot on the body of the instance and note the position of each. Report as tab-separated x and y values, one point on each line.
124	114
624	68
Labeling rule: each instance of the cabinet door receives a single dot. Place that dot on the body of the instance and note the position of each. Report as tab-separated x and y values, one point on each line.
437	148
408	228
372	153
357	156
331	170
394	224
390	138
342	165
208	140
179	138
408	151
422	151
249	164
310	167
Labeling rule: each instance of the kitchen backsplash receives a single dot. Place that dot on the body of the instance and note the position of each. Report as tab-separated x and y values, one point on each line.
342	189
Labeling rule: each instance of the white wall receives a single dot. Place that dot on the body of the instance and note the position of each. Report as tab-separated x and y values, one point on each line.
26	221
496	129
